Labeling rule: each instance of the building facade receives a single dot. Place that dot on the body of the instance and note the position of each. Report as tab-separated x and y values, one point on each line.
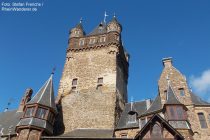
92	98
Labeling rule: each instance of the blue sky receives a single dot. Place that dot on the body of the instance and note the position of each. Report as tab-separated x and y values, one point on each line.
32	43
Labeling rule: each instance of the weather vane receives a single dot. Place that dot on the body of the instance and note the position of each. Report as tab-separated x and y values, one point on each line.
105	15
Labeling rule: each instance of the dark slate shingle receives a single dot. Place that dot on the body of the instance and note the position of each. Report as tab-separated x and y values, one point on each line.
138	107
8	121
45	96
197	100
155	106
171	97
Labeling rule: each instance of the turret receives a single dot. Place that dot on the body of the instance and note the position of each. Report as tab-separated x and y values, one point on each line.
77	31
39	114
114	26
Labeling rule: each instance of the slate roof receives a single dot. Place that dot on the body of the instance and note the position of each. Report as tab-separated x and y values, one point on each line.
90	133
171	97
8	121
36	122
138	107
100	29
198	101
45	95
155	106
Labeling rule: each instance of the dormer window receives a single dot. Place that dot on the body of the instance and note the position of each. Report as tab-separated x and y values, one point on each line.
181	91
132	118
29	111
41	113
81	42
102	39
92	41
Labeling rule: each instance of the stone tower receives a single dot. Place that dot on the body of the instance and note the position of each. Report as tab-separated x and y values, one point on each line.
93	86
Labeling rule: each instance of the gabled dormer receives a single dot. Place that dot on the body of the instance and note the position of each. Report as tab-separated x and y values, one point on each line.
39	113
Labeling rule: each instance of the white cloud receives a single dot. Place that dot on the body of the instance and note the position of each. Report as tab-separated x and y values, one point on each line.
201	84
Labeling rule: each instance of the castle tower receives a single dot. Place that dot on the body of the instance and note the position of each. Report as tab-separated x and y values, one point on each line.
93	86
39	114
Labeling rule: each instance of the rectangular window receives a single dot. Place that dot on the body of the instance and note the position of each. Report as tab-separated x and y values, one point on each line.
180	113
100	80
181	91
81	42
74	82
102	39
92	41
51	117
41	112
172	113
202	120
29	111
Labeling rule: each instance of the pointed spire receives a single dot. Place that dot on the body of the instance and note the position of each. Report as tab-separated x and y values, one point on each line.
45	95
171	97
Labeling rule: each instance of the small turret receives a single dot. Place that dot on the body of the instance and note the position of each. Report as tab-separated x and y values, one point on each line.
114	25
39	113
77	31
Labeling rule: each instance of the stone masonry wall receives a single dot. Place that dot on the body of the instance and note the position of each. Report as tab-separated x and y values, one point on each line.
89	107
177	81
199	133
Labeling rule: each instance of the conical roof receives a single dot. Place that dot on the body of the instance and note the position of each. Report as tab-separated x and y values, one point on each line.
45	95
171	97
115	21
79	26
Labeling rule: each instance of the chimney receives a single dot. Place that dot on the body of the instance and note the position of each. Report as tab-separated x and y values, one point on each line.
167	62
26	98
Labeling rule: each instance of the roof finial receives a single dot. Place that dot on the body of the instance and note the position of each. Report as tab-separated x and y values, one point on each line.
105	15
53	70
80	21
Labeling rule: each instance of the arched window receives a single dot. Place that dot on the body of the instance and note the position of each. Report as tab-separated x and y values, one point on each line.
156	131
202	120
